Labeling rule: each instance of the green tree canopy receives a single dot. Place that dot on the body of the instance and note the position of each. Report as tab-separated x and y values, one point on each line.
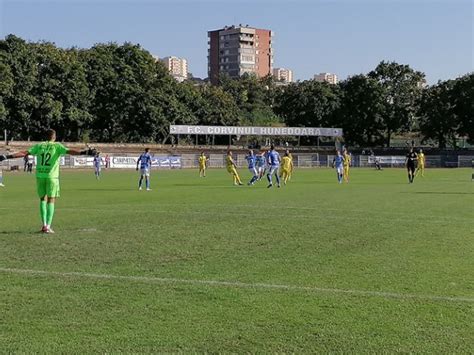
401	88
361	111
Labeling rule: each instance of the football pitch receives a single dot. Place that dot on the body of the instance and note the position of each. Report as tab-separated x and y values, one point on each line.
199	265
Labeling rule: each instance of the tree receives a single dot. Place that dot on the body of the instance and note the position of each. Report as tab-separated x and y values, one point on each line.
21	103
309	103
254	97
437	118
128	89
401	87
463	105
6	87
361	110
220	107
62	93
75	97
180	103
120	93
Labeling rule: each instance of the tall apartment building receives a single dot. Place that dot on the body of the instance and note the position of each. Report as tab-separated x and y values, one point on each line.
237	50
328	77
283	75
178	67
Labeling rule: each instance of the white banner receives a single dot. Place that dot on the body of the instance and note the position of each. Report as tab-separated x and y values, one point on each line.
387	159
166	162
156	162
256	131
123	162
83	161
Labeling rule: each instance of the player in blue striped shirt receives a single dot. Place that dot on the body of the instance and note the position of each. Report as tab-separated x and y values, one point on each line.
252	161
260	164
338	163
145	166
97	162
273	160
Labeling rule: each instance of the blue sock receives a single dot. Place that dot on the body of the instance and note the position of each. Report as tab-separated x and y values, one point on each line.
269	178
140	182
278	178
148	183
254	179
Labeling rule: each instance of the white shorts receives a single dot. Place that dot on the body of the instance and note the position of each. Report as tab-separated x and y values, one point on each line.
145	172
340	170
253	171
273	169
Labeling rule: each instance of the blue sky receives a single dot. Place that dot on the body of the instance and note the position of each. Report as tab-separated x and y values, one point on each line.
340	36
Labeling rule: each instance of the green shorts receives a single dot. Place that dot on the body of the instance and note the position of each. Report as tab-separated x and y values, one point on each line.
47	187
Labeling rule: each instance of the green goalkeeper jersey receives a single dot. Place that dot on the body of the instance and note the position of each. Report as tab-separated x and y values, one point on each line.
48	156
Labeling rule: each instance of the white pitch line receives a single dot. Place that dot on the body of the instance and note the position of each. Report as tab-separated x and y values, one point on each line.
238	284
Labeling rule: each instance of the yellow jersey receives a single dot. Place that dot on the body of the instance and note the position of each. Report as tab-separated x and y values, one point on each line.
202	160
286	163
229	162
420	158
347	160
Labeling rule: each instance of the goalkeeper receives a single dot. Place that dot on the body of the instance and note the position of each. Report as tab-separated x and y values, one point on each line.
48	155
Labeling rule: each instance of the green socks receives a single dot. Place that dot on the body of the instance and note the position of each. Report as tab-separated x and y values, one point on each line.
47	213
50	210
43	212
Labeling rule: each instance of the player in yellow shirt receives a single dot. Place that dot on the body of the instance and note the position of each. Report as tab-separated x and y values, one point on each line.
291	166
232	168
347	164
202	165
420	158
286	167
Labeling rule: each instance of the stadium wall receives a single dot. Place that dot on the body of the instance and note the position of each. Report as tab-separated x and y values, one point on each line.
137	148
217	160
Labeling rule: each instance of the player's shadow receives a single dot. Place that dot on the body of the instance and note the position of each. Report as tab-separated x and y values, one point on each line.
438	193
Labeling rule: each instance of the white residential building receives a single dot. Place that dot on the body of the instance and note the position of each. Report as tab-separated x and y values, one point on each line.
178	67
283	75
327	77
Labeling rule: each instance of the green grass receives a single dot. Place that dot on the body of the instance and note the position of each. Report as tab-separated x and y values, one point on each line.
405	244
